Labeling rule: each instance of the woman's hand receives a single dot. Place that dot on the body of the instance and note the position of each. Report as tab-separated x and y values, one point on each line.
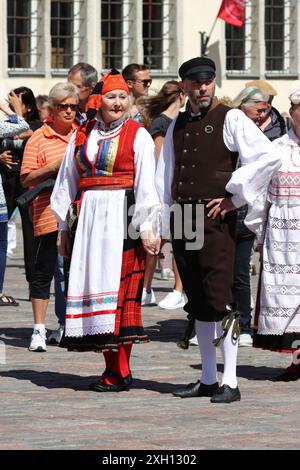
24	136
8	160
259	249
151	242
5	108
220	207
16	103
64	244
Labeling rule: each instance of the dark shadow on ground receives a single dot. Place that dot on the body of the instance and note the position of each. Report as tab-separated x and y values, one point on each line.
249	372
52	380
167	331
164	331
19	337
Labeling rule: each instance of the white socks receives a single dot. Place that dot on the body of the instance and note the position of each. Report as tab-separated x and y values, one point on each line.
40	327
229	349
206	333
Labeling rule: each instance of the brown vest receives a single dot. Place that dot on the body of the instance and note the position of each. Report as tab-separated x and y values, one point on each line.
203	164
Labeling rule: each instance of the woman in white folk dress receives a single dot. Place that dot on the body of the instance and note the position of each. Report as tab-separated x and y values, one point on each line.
277	320
109	165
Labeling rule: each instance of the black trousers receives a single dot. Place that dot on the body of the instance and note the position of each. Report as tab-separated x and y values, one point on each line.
45	260
207	273
241	287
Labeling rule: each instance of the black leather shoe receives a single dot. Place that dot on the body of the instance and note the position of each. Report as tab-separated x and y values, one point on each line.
291	373
196	390
123	384
226	394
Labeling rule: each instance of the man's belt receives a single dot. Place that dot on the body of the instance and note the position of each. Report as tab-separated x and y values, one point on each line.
194	201
106	182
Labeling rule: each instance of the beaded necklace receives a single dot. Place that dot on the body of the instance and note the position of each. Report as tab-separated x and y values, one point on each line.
112	131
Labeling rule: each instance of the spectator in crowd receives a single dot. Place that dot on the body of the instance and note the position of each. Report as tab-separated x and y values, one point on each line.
42	102
16	124
42	158
271	123
85	77
255	104
11	155
138	81
159	111
55	336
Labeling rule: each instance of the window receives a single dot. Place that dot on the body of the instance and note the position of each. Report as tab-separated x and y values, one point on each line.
279	36
153	33
65	33
241	42
158	34
117	33
23	24
111	27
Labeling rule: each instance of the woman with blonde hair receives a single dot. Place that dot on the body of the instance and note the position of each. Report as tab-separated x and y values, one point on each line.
43	155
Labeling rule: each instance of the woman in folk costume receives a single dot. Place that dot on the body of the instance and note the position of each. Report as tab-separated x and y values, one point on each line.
110	166
277	320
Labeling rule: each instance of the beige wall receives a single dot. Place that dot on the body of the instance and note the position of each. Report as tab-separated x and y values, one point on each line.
192	16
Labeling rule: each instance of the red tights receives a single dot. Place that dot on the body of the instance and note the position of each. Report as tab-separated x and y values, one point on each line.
118	362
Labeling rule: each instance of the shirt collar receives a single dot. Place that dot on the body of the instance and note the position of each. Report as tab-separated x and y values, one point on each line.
49	132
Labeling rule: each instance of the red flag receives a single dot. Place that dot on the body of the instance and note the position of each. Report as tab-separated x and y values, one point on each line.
233	11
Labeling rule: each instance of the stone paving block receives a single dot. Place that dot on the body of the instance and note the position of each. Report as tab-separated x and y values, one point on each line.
46	404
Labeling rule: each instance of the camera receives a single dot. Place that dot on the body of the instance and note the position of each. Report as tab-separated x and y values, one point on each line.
16	147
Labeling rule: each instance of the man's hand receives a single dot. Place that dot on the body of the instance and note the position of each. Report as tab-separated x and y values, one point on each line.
151	243
220	207
64	244
8	160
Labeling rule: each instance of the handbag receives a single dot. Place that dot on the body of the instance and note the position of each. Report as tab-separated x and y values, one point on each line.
73	212
26	198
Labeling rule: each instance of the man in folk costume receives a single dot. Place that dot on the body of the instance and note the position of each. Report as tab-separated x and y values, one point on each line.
109	165
197	166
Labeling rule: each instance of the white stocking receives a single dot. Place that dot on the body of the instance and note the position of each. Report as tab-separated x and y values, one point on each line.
206	332
229	349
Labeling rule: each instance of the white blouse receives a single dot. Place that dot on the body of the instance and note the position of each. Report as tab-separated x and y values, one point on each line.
249	183
146	214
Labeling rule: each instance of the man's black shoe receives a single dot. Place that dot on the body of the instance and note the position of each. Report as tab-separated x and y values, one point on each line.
291	373
196	390
226	394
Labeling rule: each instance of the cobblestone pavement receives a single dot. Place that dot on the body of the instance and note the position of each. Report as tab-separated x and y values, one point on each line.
46	404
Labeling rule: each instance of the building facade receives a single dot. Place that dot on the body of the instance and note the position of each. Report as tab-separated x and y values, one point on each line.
41	39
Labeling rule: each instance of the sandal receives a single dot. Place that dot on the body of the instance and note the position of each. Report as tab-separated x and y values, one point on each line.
8	301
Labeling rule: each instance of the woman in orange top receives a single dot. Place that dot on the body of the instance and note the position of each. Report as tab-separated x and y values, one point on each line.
42	158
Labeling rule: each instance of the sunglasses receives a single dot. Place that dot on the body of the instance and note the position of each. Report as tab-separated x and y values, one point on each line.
66	106
146	82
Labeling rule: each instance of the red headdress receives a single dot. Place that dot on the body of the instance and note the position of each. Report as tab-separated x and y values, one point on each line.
112	80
